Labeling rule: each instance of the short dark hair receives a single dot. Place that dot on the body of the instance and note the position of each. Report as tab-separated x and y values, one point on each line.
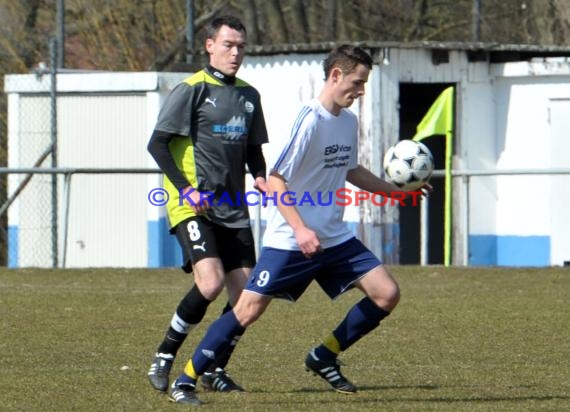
232	22
346	58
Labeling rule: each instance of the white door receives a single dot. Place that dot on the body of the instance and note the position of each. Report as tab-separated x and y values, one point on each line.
560	197
107	212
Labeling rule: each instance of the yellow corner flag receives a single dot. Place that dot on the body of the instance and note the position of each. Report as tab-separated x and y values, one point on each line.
439	118
439	121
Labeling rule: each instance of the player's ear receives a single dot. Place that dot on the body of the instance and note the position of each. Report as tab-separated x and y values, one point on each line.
336	74
209	45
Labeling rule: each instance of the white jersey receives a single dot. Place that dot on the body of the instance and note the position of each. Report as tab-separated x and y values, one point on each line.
315	161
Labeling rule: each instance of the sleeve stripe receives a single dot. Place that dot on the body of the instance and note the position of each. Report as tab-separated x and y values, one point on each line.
294	134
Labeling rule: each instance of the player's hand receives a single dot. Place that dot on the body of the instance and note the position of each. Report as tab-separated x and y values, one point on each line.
308	242
198	201
423	191
426	189
261	185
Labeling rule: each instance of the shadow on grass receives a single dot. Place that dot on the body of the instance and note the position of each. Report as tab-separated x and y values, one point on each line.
365	390
369	388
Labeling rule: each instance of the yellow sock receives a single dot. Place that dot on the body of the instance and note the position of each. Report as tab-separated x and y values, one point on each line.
332	344
189	370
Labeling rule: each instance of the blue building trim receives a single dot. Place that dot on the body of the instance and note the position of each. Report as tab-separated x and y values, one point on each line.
163	248
382	240
13	246
508	250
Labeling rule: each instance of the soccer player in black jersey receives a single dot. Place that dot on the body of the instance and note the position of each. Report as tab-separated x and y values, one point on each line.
210	127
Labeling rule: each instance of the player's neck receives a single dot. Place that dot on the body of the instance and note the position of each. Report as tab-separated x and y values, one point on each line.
220	76
328	103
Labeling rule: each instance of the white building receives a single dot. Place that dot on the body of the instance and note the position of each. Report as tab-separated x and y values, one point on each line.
512	112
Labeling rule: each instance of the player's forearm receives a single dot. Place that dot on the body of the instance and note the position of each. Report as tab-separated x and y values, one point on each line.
277	187
255	161
158	148
366	180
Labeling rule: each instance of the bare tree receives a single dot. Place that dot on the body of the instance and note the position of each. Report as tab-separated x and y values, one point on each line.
331	20
250	17
275	29
299	26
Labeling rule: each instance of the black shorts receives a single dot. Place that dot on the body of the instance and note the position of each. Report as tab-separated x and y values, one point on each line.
200	238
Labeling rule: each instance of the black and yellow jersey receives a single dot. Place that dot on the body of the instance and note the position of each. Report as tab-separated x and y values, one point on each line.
212	119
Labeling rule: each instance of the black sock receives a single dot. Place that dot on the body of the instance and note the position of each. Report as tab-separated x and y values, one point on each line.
189	313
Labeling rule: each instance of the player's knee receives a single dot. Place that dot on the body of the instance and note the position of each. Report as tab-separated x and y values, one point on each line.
212	291
394	295
209	276
211	288
388	297
248	312
248	318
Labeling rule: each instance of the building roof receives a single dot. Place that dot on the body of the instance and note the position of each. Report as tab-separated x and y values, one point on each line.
495	52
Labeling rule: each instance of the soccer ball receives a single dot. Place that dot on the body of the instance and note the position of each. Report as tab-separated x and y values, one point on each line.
408	164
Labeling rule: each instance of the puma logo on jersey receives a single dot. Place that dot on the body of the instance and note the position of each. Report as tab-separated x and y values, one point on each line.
211	101
202	247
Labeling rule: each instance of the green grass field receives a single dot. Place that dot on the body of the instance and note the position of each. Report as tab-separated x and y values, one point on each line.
461	340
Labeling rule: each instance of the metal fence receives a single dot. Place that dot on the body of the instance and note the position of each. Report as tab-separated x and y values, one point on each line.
463	179
39	180
59	225
37	147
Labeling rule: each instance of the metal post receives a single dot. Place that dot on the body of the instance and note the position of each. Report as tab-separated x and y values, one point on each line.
53	135
465	203
257	230
424	231
60	23
189	31
66	197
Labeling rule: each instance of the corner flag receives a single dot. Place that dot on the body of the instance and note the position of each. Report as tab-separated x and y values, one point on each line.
439	121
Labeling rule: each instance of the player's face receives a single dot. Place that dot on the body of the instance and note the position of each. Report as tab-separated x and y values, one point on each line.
227	50
351	86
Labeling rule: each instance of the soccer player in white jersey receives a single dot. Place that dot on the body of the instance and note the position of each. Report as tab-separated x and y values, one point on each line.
304	242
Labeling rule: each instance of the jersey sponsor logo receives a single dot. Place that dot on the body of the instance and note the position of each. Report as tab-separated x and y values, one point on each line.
332	149
202	246
212	101
233	130
341	160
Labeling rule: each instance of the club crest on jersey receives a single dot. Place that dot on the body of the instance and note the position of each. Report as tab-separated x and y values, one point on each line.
249	107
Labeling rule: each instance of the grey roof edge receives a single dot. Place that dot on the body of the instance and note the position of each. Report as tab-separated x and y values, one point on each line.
324	47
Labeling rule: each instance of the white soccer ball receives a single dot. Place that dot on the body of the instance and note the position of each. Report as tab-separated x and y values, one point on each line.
408	164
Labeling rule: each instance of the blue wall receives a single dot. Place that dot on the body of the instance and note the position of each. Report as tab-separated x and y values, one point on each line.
163	248
484	250
493	250
13	246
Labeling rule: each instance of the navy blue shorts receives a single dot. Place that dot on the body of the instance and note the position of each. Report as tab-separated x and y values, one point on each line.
287	273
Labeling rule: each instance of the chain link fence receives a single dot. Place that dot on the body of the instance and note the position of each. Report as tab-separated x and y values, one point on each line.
31	192
29	238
